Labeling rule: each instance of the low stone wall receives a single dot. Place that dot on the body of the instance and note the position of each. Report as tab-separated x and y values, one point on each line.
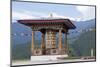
53	51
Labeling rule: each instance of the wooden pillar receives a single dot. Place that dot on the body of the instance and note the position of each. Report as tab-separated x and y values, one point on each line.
43	41
60	39
32	44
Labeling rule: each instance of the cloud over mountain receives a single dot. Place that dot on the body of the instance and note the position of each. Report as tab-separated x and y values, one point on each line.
87	12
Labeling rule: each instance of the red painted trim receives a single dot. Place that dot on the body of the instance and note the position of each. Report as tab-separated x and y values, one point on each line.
32	21
66	21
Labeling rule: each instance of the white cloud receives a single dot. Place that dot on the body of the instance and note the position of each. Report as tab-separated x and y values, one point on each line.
55	15
87	12
35	15
16	15
20	15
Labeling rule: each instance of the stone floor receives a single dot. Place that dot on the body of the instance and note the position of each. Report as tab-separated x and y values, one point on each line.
28	62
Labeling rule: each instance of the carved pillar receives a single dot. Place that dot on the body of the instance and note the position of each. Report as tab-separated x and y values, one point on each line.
60	39
43	41
32	44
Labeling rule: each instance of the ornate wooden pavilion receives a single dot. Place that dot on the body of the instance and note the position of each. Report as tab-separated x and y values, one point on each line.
49	28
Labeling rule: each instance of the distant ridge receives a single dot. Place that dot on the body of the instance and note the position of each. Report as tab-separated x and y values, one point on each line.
17	28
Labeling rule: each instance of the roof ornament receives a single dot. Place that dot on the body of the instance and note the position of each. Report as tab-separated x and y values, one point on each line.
51	15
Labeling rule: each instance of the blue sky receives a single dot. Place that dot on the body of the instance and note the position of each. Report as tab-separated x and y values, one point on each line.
28	10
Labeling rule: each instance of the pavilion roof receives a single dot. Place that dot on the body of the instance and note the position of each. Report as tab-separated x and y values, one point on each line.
66	22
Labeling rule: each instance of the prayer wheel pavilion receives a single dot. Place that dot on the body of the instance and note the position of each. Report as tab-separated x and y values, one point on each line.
49	28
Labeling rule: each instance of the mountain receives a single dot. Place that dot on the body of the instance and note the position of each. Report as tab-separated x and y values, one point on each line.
80	27
18	30
21	51
22	34
85	42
